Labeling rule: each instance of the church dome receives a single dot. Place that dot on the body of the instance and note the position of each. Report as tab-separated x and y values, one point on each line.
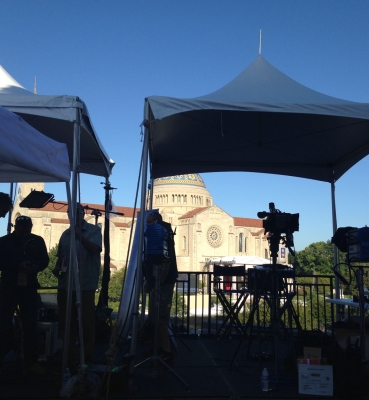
187	179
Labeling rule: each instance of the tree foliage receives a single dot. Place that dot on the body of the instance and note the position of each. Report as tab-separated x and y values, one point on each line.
318	258
116	284
46	277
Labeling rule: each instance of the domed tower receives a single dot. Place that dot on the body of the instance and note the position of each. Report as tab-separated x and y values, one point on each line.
178	194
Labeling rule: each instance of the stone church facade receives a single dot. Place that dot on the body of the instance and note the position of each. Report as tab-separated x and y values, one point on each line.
202	229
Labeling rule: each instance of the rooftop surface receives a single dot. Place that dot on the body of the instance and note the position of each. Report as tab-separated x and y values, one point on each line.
201	370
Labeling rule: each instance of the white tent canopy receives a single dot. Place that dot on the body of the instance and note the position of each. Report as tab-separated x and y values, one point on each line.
249	261
55	117
65	119
262	121
28	156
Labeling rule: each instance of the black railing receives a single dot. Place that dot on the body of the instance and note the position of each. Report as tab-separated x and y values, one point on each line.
197	310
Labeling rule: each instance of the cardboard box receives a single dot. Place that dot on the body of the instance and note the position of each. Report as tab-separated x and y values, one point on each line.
312	352
315	379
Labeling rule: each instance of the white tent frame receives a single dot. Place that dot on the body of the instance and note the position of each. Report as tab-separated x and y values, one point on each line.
265	101
66	119
27	155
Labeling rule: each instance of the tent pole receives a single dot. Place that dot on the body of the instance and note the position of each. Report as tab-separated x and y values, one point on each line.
73	264
76	169
103	297
335	250
70	277
151	193
141	227
10	213
149	207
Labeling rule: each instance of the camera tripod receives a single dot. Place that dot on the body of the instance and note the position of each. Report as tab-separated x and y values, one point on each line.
270	284
155	358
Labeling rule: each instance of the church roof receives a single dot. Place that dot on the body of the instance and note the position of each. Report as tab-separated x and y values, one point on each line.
57	206
187	179
62	206
60	221
191	213
121	224
250	222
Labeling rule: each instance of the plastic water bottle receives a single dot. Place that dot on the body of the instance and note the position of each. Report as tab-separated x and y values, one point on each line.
66	376
265	380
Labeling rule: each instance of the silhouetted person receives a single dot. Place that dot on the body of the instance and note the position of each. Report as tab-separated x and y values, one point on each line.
168	277
22	256
88	248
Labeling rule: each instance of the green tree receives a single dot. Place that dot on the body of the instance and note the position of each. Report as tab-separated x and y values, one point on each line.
318	258
116	284
46	277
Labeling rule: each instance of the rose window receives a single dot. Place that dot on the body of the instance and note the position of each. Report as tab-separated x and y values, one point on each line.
214	236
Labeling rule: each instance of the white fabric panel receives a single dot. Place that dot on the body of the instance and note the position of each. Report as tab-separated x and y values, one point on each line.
28	156
54	117
239	260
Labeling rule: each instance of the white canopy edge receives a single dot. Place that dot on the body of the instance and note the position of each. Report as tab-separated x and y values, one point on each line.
54	117
249	261
26	155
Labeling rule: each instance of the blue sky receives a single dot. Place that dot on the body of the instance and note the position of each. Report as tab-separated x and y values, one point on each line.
114	54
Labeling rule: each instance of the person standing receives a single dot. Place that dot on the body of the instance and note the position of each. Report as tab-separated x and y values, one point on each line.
168	278
88	242
23	255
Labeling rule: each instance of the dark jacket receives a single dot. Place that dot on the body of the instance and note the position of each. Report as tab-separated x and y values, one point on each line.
173	270
170	271
15	250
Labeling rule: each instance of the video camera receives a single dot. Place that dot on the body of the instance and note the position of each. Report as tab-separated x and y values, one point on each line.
277	223
354	242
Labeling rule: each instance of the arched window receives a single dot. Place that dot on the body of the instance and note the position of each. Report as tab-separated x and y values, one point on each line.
245	244
240	240
266	255
184	243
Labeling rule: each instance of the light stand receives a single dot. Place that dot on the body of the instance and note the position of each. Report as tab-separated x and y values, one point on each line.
358	252
276	224
156	250
274	241
359	273
157	360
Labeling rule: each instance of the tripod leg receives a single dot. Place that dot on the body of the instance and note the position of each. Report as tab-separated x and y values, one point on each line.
177	337
155	358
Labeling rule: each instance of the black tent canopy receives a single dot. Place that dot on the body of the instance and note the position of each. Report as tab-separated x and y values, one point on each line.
262	121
